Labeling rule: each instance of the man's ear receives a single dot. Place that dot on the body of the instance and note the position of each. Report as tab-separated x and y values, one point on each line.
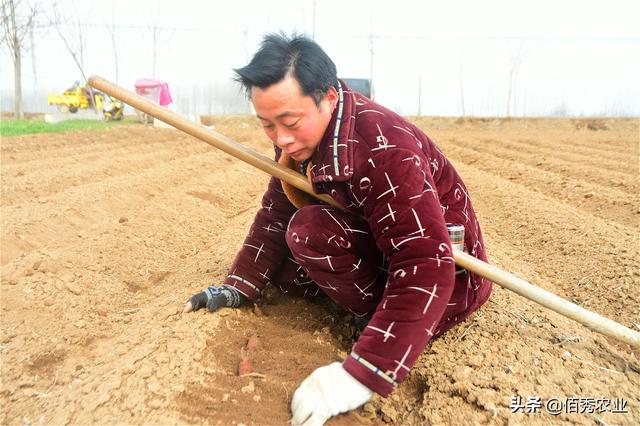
332	97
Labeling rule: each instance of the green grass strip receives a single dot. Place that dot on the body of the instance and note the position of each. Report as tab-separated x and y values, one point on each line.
26	127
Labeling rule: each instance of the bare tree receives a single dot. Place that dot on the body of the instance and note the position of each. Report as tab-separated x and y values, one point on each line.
420	95
461	86
15	27
517	58
70	32
72	35
313	31
154	40
371	52
32	48
112	35
245	44
159	36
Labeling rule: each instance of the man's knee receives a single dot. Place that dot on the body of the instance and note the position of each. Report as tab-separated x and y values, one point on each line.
303	224
305	217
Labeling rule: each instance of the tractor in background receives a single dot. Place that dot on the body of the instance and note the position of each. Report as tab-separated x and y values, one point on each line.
113	109
79	97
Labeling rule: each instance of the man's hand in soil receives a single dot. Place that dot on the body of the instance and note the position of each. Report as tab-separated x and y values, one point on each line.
328	391
214	297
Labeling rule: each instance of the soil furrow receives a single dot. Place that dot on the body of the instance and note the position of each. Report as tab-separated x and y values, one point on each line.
562	242
42	182
100	148
623	167
623	180
611	204
29	225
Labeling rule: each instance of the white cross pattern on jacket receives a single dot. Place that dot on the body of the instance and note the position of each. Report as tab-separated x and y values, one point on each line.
446	259
257	248
456	194
328	258
363	290
421	229
360	202
328	286
391	213
411	134
356	265
386	333
383	142
432	295
430	329
394	374
335	220
391	188
348	228
430	189
397	246
264	274
269	207
323	168
268	228
371	110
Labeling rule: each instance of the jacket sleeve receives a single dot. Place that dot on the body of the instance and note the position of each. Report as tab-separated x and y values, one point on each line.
403	211
264	248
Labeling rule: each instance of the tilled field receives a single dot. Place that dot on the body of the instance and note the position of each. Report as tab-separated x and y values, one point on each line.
105	234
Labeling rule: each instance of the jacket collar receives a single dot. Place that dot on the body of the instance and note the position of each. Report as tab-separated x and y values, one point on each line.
333	158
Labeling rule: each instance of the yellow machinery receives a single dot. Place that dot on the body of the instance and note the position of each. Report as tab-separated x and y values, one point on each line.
79	97
113	109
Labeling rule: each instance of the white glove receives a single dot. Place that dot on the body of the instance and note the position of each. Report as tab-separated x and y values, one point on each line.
328	391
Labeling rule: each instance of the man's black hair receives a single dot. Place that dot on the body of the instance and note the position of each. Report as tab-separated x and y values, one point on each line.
297	55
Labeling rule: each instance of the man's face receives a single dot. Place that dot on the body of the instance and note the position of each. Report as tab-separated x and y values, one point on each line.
291	120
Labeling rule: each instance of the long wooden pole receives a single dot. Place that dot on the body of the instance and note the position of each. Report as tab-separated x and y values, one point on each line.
547	299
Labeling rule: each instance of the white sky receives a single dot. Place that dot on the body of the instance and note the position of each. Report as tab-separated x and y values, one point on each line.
577	57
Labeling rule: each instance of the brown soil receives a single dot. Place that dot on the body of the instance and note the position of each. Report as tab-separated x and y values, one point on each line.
105	234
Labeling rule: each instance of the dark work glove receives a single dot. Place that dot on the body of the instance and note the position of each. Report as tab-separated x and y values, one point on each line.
215	297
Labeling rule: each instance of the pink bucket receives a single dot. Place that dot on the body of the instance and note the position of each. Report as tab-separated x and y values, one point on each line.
154	90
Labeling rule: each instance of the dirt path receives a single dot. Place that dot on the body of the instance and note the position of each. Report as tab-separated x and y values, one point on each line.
105	234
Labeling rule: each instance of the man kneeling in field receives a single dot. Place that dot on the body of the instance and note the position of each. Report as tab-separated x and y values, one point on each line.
388	260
